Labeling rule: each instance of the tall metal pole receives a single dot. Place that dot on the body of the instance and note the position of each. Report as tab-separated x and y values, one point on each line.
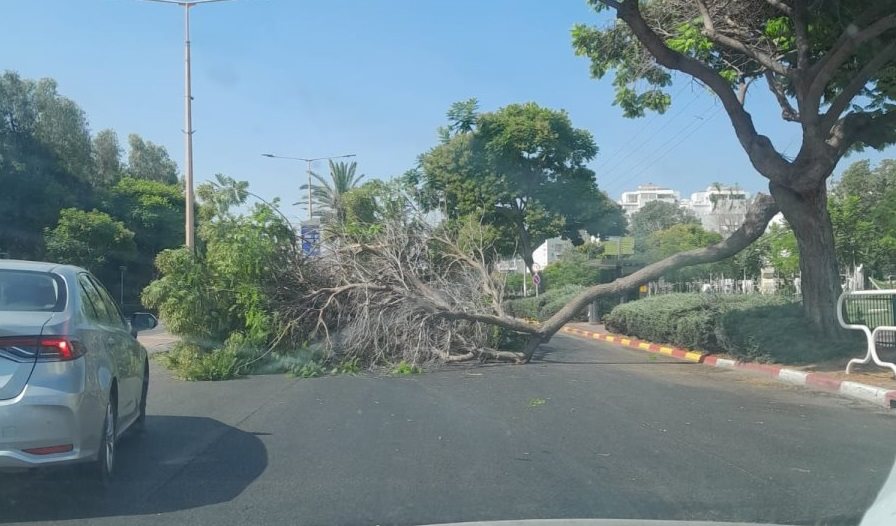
310	206
188	133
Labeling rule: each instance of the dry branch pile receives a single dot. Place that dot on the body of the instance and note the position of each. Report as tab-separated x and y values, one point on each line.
413	292
393	297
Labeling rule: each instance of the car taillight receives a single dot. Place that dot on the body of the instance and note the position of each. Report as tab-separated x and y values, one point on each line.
42	348
59	349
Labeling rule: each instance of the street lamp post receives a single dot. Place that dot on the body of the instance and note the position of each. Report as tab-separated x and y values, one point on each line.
189	238
309	161
121	270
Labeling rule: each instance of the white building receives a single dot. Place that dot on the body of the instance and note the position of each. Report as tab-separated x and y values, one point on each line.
550	251
633	201
720	209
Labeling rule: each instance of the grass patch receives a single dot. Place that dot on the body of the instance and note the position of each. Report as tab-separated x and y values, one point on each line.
404	368
537	402
191	362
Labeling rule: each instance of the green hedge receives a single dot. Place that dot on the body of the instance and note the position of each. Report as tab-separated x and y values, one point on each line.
544	306
752	327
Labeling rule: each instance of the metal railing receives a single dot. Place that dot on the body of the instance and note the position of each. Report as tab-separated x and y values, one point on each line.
872	312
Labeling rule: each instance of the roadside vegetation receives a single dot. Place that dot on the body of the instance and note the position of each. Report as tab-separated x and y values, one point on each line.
405	275
747	327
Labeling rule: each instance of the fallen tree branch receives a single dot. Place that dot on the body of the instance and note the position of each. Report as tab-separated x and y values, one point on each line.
763	210
395	301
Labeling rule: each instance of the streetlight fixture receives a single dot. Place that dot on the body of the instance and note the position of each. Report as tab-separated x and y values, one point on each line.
309	161
188	117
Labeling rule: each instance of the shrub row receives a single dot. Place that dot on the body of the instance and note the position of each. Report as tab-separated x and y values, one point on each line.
544	306
751	327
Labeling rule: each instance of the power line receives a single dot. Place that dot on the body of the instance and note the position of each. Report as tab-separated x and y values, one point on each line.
610	158
647	159
681	139
655	131
688	130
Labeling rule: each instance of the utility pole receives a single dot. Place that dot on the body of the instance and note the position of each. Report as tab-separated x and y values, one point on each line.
189	223
310	200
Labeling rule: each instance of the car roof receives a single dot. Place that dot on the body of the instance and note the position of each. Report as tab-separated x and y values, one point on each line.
36	266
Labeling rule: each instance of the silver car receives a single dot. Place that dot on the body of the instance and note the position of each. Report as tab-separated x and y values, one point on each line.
73	377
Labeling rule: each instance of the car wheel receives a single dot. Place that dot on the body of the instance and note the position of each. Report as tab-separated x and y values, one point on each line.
140	423
104	467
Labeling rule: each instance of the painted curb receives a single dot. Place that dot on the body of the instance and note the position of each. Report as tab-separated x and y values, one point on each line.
868	393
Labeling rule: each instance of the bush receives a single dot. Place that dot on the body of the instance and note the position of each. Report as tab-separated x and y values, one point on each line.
763	328
404	368
544	306
191	362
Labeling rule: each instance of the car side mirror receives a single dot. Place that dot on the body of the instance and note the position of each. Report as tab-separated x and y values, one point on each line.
143	321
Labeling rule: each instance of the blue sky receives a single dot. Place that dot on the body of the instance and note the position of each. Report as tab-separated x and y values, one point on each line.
311	78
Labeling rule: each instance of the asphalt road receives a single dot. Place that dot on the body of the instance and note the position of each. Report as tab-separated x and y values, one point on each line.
588	430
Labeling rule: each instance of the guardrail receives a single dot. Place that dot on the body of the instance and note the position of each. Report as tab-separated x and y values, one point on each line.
872	312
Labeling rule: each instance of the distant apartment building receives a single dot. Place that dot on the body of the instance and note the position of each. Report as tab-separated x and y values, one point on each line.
633	201
720	209
550	251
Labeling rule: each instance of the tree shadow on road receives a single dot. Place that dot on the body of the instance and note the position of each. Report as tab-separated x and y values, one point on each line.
177	463
572	352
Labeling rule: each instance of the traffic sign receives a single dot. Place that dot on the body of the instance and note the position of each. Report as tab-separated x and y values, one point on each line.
311	238
536	279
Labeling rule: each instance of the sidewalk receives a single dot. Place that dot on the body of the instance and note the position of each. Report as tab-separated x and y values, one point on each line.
157	340
867	383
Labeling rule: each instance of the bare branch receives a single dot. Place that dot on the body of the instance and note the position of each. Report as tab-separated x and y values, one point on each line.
759	148
781	6
764	59
845	46
861	127
801	31
742	88
788	113
858	82
757	219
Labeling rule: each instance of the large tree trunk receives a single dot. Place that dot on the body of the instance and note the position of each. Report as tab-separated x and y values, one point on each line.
808	214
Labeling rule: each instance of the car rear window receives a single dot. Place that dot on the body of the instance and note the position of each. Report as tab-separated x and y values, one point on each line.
25	290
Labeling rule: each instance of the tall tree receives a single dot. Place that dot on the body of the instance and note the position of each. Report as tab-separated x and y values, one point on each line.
327	194
45	161
830	66
462	117
523	170
93	240
861	205
658	215
147	160
154	212
106	157
661	244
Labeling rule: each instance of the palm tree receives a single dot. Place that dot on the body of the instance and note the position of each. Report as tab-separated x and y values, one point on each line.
327	195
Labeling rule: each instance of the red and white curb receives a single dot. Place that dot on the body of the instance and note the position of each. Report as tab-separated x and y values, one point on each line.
876	395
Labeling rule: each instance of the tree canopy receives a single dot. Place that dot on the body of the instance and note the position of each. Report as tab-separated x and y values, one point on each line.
327	194
658	215
45	162
68	197
93	240
829	66
521	169
147	160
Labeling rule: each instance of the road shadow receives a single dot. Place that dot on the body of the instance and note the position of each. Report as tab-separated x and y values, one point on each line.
177	463
593	362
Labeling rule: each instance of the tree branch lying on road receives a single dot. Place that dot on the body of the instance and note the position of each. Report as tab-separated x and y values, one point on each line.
396	297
